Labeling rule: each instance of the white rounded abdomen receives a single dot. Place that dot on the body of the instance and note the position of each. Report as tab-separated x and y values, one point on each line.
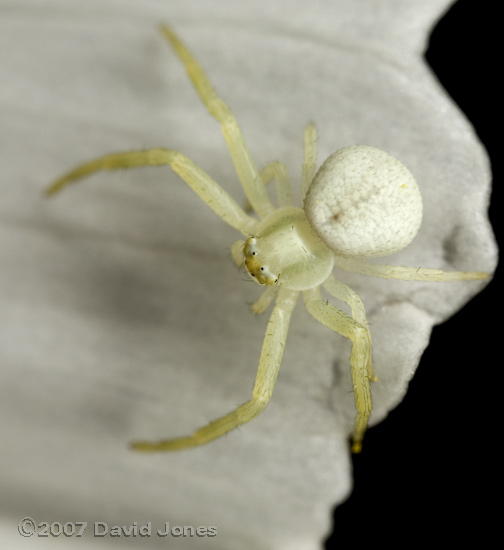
363	202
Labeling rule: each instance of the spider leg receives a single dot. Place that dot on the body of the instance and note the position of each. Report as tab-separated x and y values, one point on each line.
261	305
309	158
240	154
204	186
269	365
349	327
237	253
343	292
406	273
277	172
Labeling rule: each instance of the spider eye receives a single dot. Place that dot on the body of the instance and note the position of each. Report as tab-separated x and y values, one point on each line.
262	268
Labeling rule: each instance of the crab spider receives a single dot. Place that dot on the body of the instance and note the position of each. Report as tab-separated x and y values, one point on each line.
362	203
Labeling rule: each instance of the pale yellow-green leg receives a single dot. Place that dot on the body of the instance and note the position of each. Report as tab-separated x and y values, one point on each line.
309	159
237	253
349	327
277	172
203	185
242	159
269	365
343	292
261	305
364	267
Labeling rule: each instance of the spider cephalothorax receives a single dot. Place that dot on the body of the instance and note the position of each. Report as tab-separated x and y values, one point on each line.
286	251
255	265
362	203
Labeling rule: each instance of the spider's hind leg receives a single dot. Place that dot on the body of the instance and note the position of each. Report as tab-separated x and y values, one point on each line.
402	273
360	358
343	292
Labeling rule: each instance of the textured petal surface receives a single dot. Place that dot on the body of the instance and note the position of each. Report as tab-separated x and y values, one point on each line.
122	313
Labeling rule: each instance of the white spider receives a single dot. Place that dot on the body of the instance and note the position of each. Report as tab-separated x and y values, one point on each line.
362	203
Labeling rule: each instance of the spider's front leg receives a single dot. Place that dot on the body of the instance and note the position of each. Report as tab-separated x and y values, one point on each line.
269	365
245	167
199	181
358	333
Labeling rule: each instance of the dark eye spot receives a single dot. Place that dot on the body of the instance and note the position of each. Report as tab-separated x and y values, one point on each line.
254	253
262	268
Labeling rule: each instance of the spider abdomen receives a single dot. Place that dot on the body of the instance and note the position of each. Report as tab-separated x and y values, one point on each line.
363	202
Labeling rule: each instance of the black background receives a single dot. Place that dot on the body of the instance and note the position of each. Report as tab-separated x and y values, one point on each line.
429	474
